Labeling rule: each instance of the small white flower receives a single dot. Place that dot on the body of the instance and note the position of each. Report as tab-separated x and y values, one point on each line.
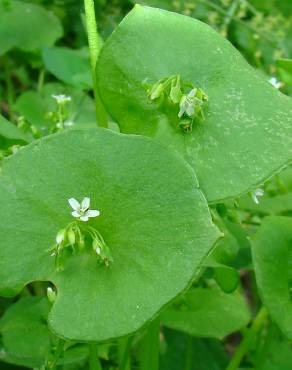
51	294
97	250
257	193
82	211
274	82
62	99
187	104
69	123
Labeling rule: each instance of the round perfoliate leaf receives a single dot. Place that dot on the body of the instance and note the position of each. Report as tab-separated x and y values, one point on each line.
153	218
247	132
27	26
272	258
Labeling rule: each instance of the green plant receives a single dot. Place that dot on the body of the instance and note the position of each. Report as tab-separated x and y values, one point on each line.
161	239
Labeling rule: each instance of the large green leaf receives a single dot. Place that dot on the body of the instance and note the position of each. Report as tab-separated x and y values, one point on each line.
153	218
247	134
198	314
27	26
271	250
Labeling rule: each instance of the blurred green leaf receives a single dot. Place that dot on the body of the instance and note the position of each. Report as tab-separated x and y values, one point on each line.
68	65
271	251
184	352
25	335
11	134
200	310
27	26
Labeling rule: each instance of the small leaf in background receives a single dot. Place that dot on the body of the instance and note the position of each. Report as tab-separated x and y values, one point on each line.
34	106
272	258
22	26
208	312
153	217
25	335
68	65
276	353
10	134
247	134
285	70
181	351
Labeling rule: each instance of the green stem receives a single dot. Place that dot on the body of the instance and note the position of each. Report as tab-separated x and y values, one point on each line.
124	348
94	42
9	87
59	350
230	13
149	353
41	80
247	340
188	357
94	363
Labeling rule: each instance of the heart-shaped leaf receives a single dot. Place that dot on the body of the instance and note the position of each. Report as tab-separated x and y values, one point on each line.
153	218
272	252
247	134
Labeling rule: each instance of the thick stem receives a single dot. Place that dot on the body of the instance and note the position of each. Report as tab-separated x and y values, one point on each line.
124	347
247	341
149	353
94	42
94	363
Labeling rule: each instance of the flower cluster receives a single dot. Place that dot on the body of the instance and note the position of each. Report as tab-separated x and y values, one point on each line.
190	100
60	117
78	235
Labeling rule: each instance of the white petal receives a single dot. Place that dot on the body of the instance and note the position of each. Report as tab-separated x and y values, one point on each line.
190	110
259	192
92	213
255	199
84	218
192	93
181	112
75	214
85	203
74	204
97	250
